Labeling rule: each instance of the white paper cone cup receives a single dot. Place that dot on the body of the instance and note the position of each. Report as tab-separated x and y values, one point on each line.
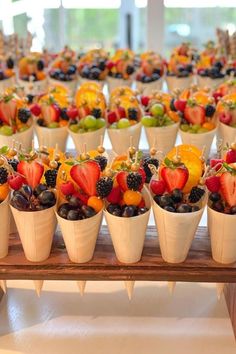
13	228
81	285
91	139
114	83
164	137
129	286
3	286
227	134
38	285
71	86
223	236
4	84
176	232
147	89
208	82
24	138
128	234
80	237
199	140
181	83
99	82
5	227
120	138
35	87
36	230
219	290
171	287
52	136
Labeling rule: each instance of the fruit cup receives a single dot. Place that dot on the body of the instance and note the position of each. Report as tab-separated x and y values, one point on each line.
6	83
181	83
209	82
52	136
128	234
120	138
90	139
70	86
80	239
101	83
227	134
147	88
5	227
114	83
24	138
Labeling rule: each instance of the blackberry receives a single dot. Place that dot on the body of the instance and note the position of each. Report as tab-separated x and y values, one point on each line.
3	175
104	186
13	163
64	115
102	161
102	64
51	178
96	112
133	113
172	106
149	161
40	65
24	114
30	98
130	70
210	110
134	181
196	194
10	63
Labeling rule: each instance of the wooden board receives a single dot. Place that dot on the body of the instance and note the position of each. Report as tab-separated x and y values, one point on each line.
199	266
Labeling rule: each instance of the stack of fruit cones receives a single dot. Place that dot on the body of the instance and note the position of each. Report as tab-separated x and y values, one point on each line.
120	138
36	230
91	139
52	136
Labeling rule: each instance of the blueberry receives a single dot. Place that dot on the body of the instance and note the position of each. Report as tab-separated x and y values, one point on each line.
85	72
88	211
26	191
215	197
63	210
102	64
74	202
47	198
195	208
155	77
142	211
218	206
157	199
118	76
146	79
233	210
177	195
169	208
39	189
71	70
157	71
20	202
73	215
129	211
166	200
183	73
184	208
94	73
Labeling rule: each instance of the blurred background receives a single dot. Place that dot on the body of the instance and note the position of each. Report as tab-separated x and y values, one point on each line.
141	24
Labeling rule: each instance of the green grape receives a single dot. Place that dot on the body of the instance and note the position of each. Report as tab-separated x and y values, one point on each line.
6	130
53	125
90	122
157	110
74	128
123	123
100	123
148	121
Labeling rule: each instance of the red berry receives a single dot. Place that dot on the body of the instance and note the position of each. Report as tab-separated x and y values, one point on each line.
230	156
145	100
216	162
16	181
115	196
143	174
67	188
217	96
213	184
111	117
72	112
110	64
35	110
158	187
121	112
225	117
180	105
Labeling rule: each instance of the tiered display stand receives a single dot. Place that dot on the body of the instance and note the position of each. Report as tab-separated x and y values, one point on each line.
199	266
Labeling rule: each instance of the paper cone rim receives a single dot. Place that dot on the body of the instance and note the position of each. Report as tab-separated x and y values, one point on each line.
83	221
32	211
210	132
87	133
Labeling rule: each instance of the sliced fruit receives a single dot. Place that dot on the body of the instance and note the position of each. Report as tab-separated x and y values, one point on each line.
195	114
213	183
32	172
86	175
228	188
230	156
121	179
174	177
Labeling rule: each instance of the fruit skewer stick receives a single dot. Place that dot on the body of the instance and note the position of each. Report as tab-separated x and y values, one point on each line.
38	285
129	285
3	285
81	285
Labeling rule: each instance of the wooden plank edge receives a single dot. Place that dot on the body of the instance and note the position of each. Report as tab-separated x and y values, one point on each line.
230	298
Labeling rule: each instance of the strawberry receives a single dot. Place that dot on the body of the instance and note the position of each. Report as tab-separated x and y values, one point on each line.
174	177
16	181
158	187
122	180
121	112
145	100
67	188
110	64
195	114
35	110
213	183
111	117
115	195
51	113
8	110
228	187
86	175
32	171
230	156
180	105
225	117
216	162
72	112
